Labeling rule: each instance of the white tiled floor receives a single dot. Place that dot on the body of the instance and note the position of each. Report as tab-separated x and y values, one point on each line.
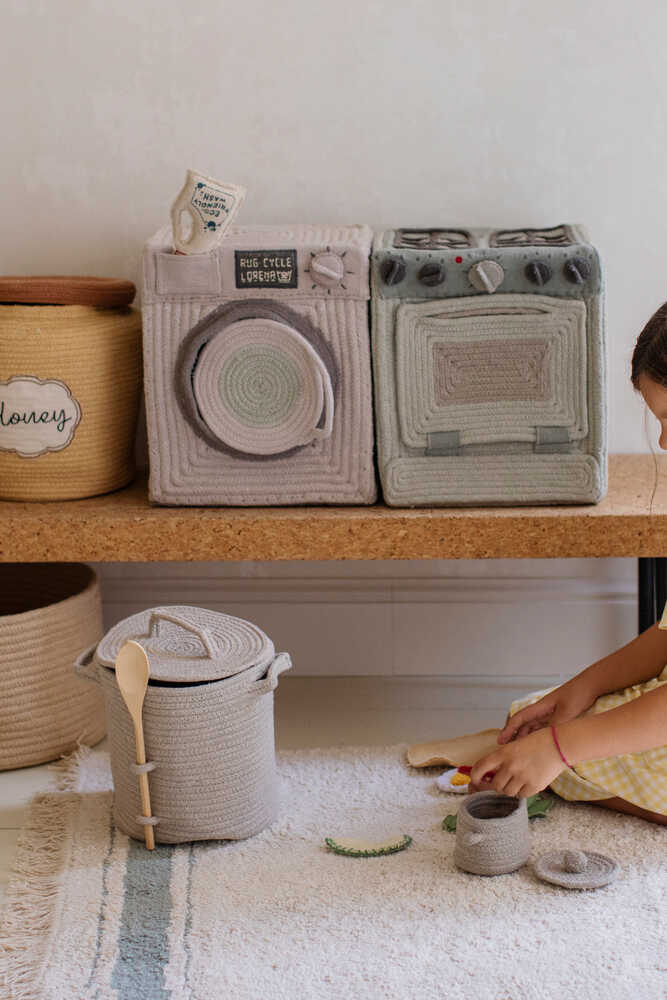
309	712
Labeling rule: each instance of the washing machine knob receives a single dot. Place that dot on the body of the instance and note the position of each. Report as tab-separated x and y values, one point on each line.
327	269
538	272
486	275
576	270
431	274
392	270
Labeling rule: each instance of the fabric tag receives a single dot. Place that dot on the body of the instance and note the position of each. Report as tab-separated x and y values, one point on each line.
266	268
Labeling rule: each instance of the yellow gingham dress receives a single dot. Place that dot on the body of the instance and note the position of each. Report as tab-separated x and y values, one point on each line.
636	777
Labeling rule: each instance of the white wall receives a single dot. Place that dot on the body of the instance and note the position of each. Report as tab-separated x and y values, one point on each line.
422	112
429	111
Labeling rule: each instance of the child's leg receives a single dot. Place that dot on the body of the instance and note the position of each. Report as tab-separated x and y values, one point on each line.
621	805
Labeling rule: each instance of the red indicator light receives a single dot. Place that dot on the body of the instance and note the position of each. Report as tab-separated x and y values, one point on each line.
459	260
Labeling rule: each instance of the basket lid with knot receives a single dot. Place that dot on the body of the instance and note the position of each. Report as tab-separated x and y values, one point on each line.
190	644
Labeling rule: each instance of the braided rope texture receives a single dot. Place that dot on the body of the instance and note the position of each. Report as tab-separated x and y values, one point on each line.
492	836
245	432
259	389
47	614
208	724
493	371
178	655
96	353
213	750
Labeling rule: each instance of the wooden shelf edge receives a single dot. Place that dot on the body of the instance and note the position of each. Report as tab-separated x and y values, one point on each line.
124	527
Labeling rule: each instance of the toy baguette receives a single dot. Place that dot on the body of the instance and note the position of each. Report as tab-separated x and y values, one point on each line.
462	750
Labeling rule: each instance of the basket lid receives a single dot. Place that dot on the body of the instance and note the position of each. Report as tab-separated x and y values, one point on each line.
67	290
189	644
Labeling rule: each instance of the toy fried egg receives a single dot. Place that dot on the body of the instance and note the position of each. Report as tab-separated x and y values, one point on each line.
453	781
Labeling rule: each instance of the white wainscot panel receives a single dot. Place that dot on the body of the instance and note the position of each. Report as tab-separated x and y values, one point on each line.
503	623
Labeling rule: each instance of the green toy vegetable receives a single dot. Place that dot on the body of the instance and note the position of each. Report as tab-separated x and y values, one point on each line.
367	848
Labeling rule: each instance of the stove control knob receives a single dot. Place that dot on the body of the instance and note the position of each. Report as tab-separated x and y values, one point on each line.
392	270
327	269
486	275
431	274
538	272
576	270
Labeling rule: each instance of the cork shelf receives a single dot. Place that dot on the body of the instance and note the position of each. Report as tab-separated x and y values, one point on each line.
124	527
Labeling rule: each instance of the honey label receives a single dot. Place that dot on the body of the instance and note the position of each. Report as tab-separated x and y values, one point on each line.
36	415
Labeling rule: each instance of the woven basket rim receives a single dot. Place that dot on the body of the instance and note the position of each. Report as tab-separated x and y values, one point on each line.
24	617
39	309
66	289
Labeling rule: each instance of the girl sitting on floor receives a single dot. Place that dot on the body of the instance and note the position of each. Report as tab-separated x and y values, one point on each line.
602	736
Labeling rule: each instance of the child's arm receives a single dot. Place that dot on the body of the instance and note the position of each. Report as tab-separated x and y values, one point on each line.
528	765
640	660
638	725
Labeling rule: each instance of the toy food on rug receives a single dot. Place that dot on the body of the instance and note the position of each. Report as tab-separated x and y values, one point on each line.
354	847
537	805
453	781
460	750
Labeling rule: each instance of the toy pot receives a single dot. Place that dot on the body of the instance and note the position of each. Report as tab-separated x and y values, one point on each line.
491	834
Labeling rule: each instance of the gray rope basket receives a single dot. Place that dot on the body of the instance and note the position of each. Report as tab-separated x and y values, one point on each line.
208	724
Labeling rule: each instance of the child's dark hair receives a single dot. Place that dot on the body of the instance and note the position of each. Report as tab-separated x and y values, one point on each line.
650	353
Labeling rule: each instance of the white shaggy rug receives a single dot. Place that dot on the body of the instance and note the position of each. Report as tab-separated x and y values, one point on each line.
93	915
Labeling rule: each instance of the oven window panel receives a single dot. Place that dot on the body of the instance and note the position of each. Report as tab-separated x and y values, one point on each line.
491	372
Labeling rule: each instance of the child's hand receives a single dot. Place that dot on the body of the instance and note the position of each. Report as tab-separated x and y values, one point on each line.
520	768
565	703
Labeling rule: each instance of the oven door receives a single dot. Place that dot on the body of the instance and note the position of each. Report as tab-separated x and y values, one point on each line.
257	379
474	373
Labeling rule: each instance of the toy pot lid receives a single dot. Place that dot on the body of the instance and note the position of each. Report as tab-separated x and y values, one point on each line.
188	644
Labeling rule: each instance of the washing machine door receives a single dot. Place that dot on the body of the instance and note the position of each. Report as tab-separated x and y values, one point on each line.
258	379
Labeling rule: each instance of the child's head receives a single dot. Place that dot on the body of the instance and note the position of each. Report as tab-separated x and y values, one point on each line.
649	368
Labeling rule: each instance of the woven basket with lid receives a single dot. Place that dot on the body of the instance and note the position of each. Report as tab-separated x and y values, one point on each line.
70	385
208	723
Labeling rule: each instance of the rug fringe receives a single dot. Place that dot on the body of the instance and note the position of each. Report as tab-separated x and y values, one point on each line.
27	918
67	769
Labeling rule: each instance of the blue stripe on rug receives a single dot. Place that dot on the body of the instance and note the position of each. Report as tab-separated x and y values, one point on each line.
103	909
143	949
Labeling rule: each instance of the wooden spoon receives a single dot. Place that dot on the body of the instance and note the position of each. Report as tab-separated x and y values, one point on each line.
132	673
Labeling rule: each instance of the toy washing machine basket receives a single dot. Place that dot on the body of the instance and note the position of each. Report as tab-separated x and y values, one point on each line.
257	361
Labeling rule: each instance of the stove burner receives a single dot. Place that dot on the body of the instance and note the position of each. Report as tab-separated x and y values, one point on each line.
432	239
560	236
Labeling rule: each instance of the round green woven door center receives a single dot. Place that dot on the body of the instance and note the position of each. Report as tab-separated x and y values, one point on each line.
260	385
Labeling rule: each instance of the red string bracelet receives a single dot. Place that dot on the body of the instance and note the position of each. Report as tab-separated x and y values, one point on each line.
562	755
